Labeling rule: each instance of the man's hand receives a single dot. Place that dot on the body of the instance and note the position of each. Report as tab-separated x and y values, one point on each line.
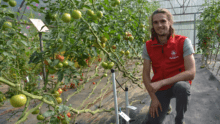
154	107
157	85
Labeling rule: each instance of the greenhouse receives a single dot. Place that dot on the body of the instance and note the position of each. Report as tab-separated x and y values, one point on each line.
109	62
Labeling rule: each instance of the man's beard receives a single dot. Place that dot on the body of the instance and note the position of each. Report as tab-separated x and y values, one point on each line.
164	34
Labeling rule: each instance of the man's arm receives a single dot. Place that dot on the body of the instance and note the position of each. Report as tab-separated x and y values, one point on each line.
188	74
147	78
155	103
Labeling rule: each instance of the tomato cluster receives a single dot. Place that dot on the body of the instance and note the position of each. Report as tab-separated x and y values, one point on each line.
107	65
2	97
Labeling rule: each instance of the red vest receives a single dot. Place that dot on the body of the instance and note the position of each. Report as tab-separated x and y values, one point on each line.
167	60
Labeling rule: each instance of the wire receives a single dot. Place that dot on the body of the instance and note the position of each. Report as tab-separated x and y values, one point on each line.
119	84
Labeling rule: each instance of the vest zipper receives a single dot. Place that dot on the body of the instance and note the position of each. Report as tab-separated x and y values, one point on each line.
163	59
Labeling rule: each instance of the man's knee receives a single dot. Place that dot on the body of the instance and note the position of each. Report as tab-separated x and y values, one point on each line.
156	120
182	88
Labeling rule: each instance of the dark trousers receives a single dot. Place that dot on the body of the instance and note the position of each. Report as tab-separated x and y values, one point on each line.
180	91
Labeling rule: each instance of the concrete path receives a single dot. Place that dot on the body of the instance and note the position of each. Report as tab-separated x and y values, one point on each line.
204	106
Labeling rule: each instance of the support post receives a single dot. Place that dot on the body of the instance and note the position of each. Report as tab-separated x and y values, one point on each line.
115	96
127	102
41	49
194	38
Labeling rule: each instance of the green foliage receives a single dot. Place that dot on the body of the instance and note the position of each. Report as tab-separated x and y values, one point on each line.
209	28
21	55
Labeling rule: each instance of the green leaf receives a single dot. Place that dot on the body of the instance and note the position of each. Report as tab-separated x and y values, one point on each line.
60	76
50	98
106	28
63	108
25	43
54	120
22	35
66	81
55	62
94	51
106	2
86	6
5	53
70	63
106	35
36	1
48	113
11	15
4	6
90	1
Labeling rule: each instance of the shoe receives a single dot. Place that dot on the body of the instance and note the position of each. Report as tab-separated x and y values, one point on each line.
170	110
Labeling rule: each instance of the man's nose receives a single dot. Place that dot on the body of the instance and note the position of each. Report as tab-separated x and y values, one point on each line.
159	24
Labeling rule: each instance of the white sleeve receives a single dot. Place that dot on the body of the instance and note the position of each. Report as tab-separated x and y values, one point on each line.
145	54
187	48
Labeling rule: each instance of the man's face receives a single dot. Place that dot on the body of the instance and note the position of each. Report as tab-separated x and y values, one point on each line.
161	24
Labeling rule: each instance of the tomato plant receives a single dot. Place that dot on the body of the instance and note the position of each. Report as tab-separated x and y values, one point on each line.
82	35
208	31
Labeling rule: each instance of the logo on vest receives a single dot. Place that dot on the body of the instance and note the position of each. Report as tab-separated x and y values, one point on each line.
173	53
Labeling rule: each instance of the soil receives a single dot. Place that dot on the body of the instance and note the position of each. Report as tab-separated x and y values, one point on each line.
203	106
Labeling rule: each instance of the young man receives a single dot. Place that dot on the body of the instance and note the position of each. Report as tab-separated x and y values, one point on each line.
173	65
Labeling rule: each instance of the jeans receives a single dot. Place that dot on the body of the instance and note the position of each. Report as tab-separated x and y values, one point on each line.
180	91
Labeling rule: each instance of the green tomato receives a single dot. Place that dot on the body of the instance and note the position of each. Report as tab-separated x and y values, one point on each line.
99	14
127	52
36	111
103	39
12	3
7	25
18	100
117	2
131	38
60	40
40	117
122	52
104	65
114	4
65	63
4	98
66	17
59	100
59	65
90	12
53	17
76	14
110	65
105	75
57	94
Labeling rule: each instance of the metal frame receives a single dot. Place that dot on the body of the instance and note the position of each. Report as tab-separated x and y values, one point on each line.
184	7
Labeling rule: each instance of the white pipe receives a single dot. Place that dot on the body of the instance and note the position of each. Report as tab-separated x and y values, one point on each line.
115	96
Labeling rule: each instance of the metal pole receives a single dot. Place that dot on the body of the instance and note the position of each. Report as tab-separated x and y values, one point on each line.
194	38
41	49
120	118
127	102
115	96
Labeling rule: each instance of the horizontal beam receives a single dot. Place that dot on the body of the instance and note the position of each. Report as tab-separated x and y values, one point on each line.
185	21
183	6
184	29
186	13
